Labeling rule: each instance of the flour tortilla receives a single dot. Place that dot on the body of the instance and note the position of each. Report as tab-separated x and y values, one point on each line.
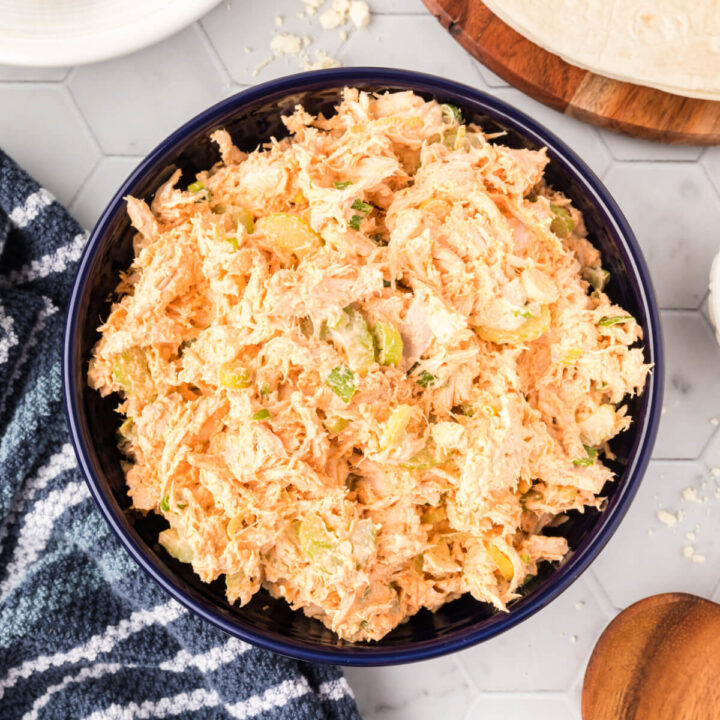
672	45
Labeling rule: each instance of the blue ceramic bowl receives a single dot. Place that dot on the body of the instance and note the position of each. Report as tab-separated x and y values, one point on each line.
252	116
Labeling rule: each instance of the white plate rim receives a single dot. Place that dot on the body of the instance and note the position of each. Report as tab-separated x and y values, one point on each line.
44	46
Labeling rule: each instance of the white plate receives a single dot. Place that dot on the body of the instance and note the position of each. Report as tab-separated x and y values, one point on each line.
73	32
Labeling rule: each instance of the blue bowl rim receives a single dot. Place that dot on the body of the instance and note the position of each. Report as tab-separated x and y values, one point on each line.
594	190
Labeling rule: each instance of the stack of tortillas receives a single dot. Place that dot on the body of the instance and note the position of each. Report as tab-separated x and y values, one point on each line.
672	45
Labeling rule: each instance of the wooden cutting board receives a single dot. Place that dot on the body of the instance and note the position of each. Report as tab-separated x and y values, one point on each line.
634	109
657	660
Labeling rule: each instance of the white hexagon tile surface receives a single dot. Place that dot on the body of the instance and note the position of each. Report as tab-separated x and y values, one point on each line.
81	131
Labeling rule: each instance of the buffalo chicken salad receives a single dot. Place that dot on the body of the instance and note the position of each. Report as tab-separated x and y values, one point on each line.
364	366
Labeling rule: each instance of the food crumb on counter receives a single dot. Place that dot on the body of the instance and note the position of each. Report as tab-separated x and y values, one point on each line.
688	551
698	558
574	639
715	472
359	13
690	495
322	61
278	20
714	421
286	44
690	535
667	518
579	604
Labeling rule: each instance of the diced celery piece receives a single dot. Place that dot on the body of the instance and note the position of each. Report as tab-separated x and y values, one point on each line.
352	334
355	222
234	376
176	546
238	214
389	343
596	276
451	113
195	187
396	425
263	414
337	425
530	330
265	390
503	562
341	381
165	503
424	460
234	583
571	356
598	426
342	184
363	540
319	544
562	224
233	242
290	233
126	432
130	370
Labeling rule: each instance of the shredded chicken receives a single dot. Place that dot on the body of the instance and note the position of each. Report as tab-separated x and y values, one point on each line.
365	366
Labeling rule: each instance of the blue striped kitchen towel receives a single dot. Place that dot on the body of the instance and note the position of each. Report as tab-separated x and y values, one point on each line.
84	634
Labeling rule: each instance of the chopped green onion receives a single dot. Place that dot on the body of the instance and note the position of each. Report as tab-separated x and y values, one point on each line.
451	113
607	321
165	504
363	207
365	625
342	185
265	390
525	558
524	313
589	460
196	187
562	224
379	240
263	414
233	241
426	379
341	381
355	221
181	505
387	283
